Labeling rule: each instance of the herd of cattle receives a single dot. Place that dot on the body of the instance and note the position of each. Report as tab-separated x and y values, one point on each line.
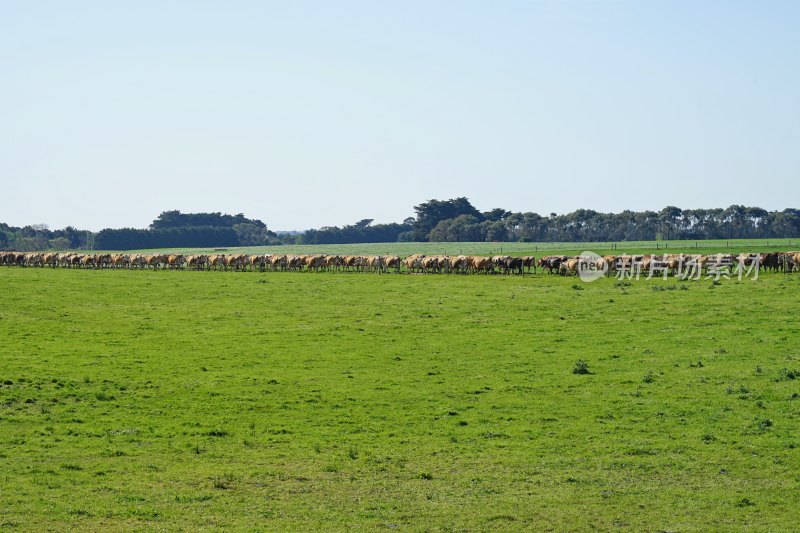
565	265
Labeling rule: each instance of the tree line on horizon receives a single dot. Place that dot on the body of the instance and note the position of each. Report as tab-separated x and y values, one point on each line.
455	220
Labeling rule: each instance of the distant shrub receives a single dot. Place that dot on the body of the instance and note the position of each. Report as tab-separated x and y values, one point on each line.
581	367
222	482
764	423
648	378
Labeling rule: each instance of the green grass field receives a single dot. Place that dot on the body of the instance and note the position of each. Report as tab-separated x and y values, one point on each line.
292	401
518	248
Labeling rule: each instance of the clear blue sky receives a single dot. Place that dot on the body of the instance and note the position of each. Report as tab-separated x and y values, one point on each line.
306	114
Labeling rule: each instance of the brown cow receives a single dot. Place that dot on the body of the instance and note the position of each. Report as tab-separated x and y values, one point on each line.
529	262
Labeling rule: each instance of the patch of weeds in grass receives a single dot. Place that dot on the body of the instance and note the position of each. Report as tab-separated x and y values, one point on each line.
144	514
784	374
352	453
503	517
192	498
745	502
223	482
657	288
649	377
425	475
581	367
764	424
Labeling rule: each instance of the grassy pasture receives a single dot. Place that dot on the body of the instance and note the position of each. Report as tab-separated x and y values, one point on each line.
289	401
519	248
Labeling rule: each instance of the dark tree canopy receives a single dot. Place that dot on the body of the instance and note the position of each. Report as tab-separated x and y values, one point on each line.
176	219
436	220
430	213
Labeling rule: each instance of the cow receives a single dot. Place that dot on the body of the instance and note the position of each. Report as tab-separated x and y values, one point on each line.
317	263
294	262
569	267
259	262
234	262
377	264
394	262
792	261
529	262
121	261
104	261
460	264
512	265
481	264
197	262
155	261
333	262
175	261
430	264
770	261
552	263
278	262
414	263
89	260
50	260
